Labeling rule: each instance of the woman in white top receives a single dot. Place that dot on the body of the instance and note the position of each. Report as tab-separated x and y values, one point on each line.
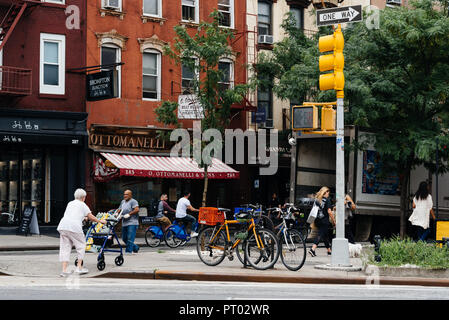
71	231
422	209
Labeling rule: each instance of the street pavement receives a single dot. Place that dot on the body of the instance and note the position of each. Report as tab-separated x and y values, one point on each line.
37	256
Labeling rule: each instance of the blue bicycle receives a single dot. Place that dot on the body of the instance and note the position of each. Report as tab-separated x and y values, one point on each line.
154	235
176	234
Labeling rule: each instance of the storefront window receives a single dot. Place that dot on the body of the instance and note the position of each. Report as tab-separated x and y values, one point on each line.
33	181
9	180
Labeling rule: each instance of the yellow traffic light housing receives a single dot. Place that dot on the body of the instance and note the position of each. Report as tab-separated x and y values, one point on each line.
328	119
305	118
332	62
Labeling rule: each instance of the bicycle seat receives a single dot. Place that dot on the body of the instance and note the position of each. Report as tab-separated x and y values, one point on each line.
243	216
224	209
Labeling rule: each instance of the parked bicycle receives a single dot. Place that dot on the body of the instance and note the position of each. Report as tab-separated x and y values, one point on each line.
293	247
177	235
263	220
261	246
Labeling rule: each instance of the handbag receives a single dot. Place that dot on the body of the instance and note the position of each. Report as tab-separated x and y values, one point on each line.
313	214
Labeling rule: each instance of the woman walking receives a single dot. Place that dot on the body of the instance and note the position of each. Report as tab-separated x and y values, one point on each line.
422	209
322	220
71	232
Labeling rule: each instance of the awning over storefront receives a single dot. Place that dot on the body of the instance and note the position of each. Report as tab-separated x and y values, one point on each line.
168	167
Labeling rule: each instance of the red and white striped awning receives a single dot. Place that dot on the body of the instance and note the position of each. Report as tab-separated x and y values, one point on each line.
168	167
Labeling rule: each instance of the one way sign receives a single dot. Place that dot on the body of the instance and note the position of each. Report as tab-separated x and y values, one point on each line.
330	16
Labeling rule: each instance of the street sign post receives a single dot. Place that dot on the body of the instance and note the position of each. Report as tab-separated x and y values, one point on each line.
338	15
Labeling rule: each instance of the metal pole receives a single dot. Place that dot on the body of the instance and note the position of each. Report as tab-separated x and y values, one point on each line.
436	183
293	155
340	247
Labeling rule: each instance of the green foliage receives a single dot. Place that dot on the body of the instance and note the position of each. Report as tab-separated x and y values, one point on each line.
209	44
396	252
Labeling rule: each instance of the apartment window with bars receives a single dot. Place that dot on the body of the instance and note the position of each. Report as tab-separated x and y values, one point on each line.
190	10
226	9
151	75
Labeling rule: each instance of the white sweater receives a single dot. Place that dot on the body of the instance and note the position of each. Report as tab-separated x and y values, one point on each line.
420	215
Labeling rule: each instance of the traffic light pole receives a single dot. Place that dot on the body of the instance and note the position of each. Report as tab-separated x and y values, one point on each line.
340	247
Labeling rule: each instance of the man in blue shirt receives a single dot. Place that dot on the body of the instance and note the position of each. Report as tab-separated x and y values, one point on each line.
130	212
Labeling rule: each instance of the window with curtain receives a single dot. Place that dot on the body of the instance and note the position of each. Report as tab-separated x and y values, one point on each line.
152	7
151	75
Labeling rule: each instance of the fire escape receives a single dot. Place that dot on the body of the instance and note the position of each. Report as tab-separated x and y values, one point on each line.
14	81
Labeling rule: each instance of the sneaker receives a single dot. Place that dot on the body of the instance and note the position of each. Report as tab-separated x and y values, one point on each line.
329	253
312	253
65	274
81	271
194	234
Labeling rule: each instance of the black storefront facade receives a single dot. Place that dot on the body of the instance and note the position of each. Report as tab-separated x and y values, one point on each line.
42	163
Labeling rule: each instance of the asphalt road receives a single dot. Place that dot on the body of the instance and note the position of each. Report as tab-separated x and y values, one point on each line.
14	288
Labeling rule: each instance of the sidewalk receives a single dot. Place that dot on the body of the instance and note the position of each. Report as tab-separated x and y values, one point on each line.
182	264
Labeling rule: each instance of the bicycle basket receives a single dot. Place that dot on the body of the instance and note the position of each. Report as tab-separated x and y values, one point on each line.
210	216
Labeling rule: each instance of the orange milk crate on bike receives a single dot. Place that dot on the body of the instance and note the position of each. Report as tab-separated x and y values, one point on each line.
211	216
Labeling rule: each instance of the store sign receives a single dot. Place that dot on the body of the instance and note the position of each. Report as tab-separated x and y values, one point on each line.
125	141
100	85
189	107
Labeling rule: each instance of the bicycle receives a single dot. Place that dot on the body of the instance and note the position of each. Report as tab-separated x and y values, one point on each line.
292	245
263	220
261	246
300	222
154	235
176	234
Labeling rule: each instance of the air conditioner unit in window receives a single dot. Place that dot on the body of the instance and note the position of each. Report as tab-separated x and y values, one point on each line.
112	4
265	39
394	2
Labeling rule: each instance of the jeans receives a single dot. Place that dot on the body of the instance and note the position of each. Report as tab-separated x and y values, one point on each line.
189	222
422	233
323	233
128	236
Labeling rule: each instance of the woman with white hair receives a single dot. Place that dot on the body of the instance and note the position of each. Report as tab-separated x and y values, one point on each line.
71	232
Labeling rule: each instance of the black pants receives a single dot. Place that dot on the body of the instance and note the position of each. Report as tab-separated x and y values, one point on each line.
323	233
348	233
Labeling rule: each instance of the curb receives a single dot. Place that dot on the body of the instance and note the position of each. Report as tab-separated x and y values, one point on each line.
205	276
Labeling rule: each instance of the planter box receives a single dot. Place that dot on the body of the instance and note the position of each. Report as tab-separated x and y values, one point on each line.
411	271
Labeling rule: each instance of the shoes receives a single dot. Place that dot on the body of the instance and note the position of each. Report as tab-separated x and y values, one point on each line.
194	234
65	274
329	253
81	271
312	253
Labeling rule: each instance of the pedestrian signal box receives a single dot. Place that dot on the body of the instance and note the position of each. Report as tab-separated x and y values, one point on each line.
305	118
328	119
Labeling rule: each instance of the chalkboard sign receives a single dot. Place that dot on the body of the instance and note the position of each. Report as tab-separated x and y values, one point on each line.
27	217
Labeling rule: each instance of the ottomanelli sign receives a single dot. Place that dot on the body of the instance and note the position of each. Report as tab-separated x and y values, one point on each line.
122	139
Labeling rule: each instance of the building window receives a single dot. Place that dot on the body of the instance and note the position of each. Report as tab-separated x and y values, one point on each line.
190	10
151	75
112	4
264	104
110	55
298	15
264	18
226	82
188	76
52	64
152	8
226	9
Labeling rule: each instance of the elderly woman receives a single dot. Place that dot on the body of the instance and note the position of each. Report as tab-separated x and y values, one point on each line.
71	231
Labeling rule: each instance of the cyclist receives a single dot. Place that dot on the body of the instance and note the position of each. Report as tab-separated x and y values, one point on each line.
181	213
162	208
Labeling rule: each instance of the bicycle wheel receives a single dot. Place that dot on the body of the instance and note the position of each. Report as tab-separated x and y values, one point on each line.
171	239
151	239
266	223
262	253
293	249
304	230
211	253
240	252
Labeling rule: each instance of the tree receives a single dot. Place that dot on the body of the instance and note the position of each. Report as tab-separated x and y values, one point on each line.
201	54
397	84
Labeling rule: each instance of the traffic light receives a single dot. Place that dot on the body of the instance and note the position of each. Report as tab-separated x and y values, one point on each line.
328	119
305	118
332	62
